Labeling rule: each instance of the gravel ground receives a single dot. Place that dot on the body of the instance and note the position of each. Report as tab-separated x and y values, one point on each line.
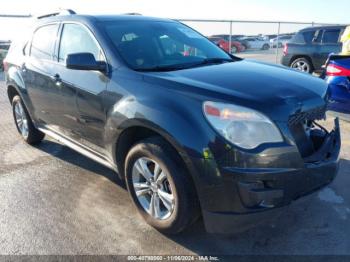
55	201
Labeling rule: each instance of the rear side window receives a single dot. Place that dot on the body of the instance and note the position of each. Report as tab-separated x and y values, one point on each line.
331	36
76	39
43	42
303	37
308	36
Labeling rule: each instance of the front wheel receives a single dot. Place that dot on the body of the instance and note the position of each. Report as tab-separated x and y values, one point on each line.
302	64
24	123
234	50
161	190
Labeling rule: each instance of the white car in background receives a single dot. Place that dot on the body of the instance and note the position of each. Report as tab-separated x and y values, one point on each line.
257	42
282	40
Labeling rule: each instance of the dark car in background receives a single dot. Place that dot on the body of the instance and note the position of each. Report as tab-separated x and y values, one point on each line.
309	49
5	45
193	130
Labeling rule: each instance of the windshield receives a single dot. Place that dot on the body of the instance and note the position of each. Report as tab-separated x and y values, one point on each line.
154	45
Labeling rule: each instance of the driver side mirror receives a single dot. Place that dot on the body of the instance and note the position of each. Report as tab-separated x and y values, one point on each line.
85	61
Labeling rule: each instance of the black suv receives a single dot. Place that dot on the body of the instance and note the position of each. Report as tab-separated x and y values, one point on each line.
309	49
193	130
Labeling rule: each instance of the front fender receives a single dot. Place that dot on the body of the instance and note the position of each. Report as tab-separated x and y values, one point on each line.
182	123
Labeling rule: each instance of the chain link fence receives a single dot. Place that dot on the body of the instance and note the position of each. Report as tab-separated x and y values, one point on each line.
265	39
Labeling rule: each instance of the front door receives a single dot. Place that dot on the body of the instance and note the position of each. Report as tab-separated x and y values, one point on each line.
83	110
329	43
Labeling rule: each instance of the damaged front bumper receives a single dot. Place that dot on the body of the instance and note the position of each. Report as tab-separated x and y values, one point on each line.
262	191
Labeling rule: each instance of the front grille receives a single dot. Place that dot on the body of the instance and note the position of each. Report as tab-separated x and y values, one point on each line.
317	113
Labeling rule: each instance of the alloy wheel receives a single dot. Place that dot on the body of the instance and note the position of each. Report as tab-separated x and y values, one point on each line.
152	188
21	119
301	66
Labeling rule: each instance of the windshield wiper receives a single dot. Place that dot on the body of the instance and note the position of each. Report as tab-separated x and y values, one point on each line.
205	61
211	61
161	68
208	61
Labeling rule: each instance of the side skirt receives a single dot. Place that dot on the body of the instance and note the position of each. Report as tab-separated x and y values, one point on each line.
79	148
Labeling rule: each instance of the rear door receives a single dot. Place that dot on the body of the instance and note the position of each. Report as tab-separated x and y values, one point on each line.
82	91
37	73
309	43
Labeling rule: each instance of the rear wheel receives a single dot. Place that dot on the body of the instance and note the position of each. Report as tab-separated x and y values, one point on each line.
159	187
265	47
302	64
24	123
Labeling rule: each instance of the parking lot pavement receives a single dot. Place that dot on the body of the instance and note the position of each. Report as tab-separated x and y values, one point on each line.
263	55
55	201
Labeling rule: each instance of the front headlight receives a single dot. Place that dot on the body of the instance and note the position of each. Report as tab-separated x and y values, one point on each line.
242	126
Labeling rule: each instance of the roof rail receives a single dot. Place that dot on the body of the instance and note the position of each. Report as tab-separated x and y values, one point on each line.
132	14
60	12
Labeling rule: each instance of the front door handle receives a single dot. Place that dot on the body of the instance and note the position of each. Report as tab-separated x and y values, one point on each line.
57	79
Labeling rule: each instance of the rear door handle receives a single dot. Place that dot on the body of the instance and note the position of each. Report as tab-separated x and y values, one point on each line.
23	67
57	79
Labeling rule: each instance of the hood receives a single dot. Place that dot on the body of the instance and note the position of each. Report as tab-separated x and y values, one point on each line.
271	89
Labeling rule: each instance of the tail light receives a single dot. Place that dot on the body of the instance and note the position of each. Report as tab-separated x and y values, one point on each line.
335	70
5	65
285	49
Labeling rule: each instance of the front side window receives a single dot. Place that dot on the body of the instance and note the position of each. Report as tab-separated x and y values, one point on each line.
331	36
43	42
146	45
76	39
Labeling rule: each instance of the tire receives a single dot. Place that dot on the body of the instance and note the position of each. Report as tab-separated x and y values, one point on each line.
265	47
24	123
302	64
234	49
183	207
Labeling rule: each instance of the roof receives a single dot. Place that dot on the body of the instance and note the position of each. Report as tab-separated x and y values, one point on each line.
322	27
102	18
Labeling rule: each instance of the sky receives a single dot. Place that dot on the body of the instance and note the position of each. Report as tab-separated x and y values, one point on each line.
321	11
